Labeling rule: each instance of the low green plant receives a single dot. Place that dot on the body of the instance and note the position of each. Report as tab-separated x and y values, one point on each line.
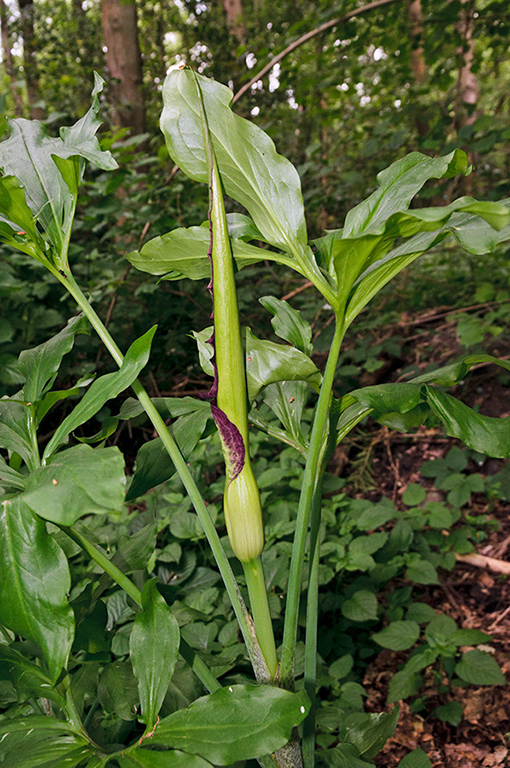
58	496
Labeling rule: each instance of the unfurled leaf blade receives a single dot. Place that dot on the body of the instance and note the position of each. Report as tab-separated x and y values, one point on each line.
184	253
35	583
238	722
267	363
147	758
398	184
103	389
154	648
76	482
40	364
481	433
252	172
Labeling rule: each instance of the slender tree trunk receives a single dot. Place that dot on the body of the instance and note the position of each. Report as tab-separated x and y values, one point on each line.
8	60
26	8
418	65
468	89
124	62
234	15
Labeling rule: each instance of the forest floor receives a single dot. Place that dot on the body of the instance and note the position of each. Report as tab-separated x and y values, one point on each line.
476	597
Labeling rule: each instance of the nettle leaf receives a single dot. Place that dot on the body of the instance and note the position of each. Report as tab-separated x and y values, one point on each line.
235	723
104	388
370	732
267	363
154	648
29	155
416	759
252	172
40	365
362	606
398	636
34	584
78	481
184	253
289	324
479	668
343	756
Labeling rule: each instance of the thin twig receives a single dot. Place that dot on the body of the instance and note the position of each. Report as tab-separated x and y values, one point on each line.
308	36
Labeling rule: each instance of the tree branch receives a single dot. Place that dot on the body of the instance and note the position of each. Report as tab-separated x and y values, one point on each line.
308	36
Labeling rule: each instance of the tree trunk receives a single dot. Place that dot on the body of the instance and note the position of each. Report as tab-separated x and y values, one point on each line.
8	60
124	62
234	14
468	90
26	8
418	65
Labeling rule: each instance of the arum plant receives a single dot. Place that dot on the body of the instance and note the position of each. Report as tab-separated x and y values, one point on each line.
251	378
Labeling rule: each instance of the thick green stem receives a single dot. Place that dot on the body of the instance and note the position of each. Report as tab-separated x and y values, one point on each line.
188	654
308	489
312	615
182	468
260	611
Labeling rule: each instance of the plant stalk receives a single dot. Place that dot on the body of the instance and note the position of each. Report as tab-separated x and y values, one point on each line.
236	600
201	670
312	616
308	489
259	605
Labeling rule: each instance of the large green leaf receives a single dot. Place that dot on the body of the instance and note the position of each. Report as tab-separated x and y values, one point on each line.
35	583
184	253
40	365
289	324
78	481
28	678
148	758
267	363
17	223
29	154
481	433
10	479
14	428
41	742
252	172
367	262
154	648
234	723
103	389
398	184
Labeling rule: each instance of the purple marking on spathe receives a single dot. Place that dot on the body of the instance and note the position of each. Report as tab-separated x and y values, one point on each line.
233	443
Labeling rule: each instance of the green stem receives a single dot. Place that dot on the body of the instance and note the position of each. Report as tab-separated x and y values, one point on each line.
195	662
169	443
308	489
312	615
260	611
